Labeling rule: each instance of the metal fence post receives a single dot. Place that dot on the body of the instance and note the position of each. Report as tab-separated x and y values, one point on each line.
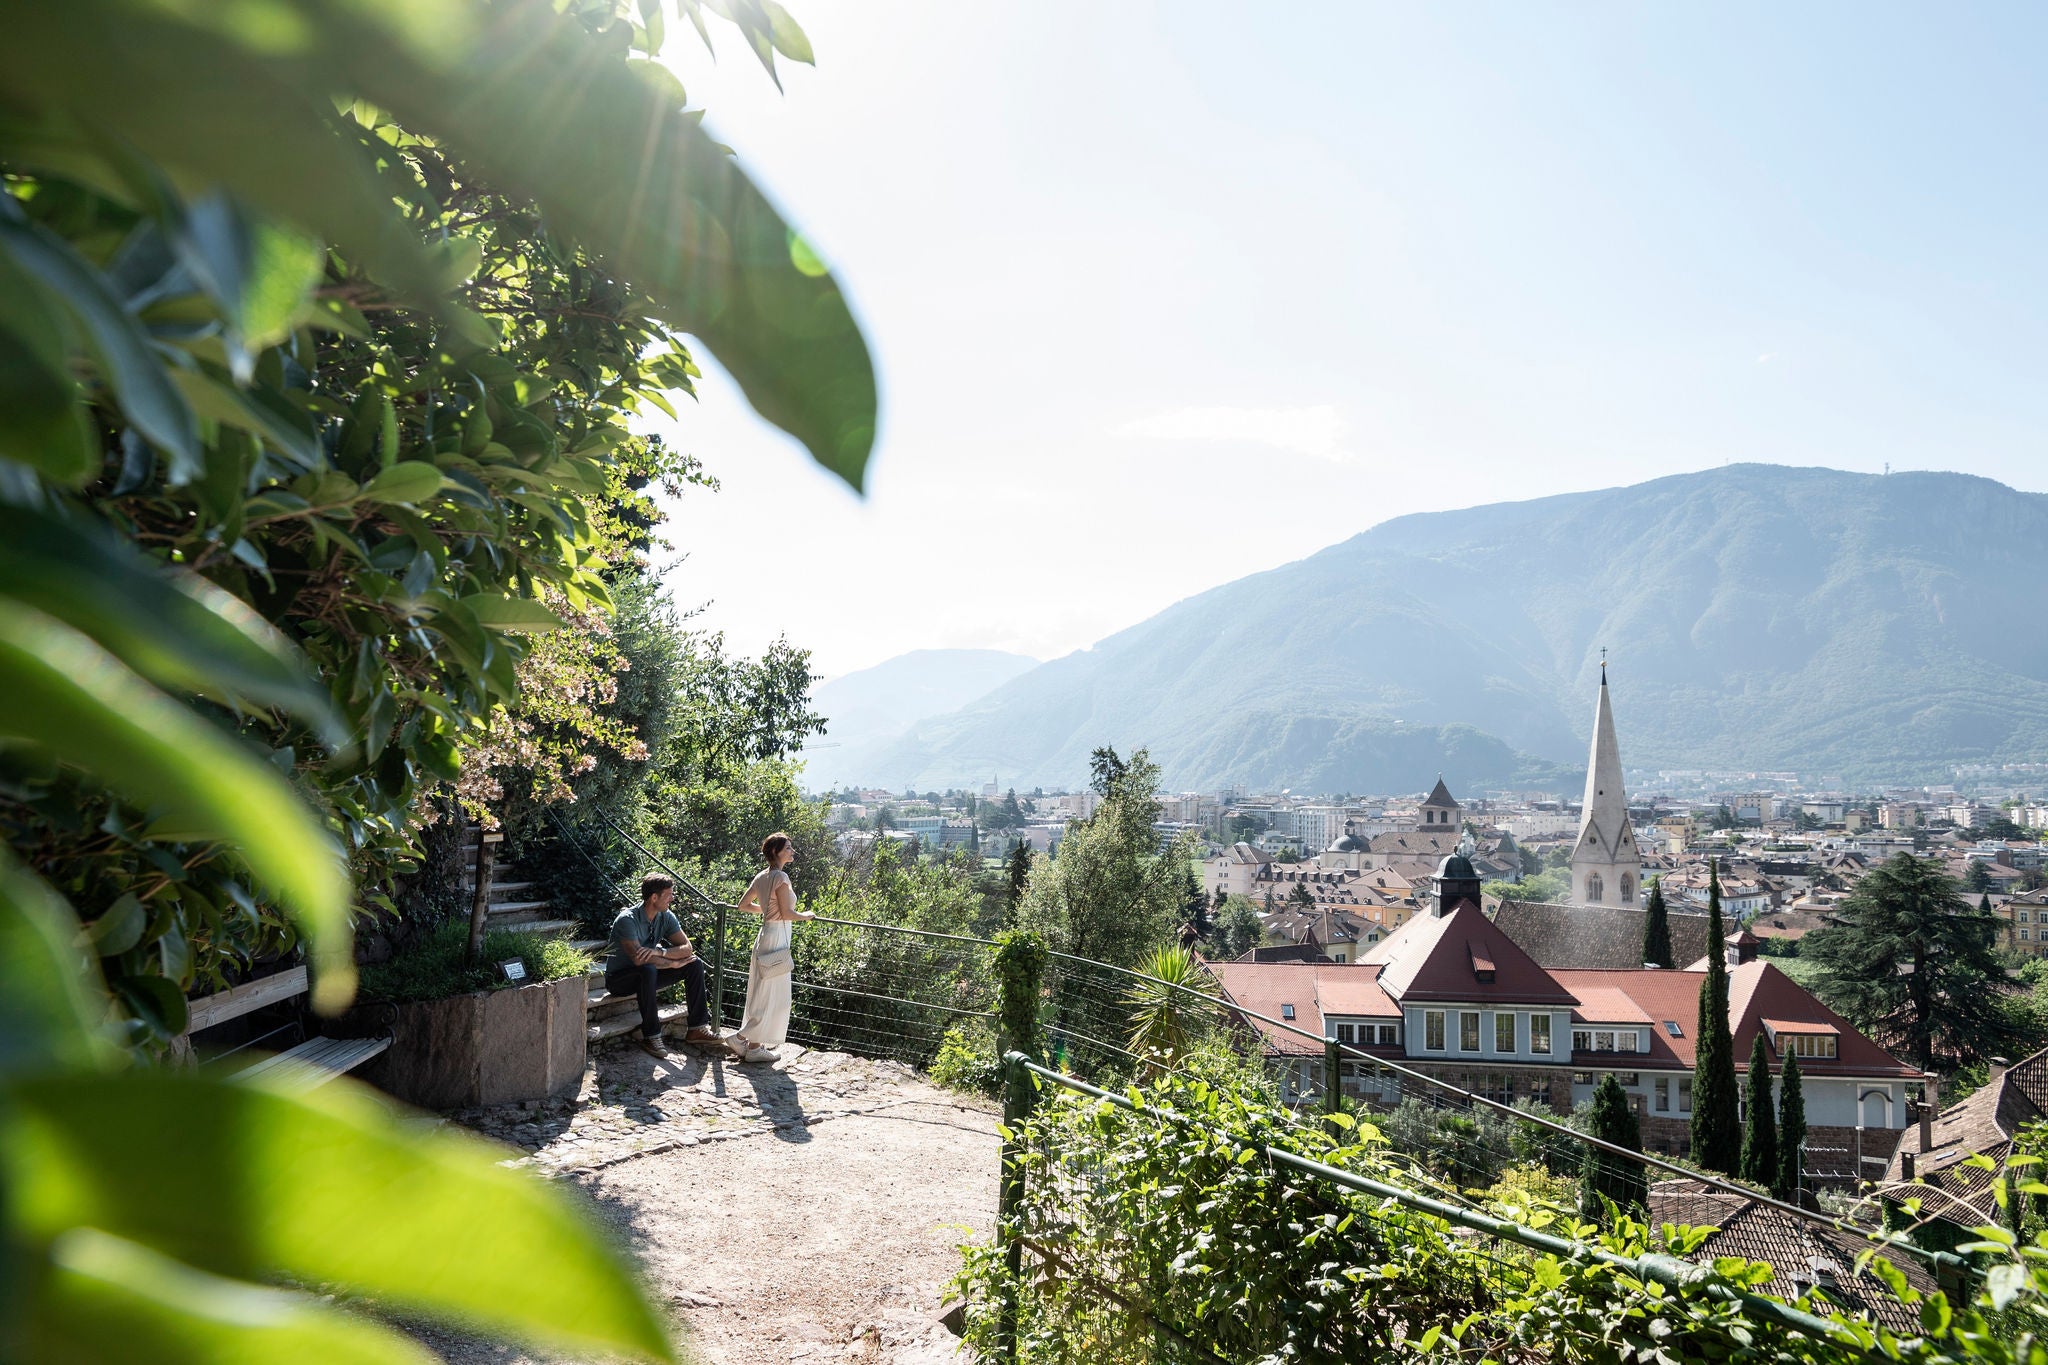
1017	1096
1333	1085
718	969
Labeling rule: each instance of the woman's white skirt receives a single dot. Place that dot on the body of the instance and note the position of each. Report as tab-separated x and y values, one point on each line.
767	1019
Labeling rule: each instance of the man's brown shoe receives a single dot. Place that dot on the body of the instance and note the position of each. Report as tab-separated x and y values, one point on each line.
702	1034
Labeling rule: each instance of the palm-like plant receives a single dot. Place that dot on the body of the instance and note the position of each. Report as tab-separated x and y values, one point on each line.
1173	1008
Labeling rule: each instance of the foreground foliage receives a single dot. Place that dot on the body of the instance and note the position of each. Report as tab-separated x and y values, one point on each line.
1165	1239
322	328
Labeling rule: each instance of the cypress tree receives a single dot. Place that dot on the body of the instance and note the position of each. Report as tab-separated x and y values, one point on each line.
1791	1133
1716	1127
1602	1173
1657	927
1020	876
1760	1130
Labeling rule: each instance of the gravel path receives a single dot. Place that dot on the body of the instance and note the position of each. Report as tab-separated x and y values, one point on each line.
811	1211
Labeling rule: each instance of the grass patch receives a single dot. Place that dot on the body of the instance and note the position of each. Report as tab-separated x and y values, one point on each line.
432	969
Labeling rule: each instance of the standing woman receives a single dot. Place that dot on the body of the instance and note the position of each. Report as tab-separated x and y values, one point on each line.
771	896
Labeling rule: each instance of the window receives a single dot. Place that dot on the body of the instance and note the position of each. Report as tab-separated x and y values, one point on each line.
1603	1040
1628	1078
1582	1078
1390	1034
1595	888
2023	936
1685	1094
1347	1033
2023	917
1628	888
1582	1040
1503	1033
1671	1027
1433	1030
1625	1041
1468	1030
1663	1091
1539	1033
1287	1011
1808	1044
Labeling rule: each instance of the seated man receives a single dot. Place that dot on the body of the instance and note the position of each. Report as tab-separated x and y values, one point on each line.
650	952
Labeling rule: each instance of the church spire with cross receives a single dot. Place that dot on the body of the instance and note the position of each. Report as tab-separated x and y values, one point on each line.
1607	868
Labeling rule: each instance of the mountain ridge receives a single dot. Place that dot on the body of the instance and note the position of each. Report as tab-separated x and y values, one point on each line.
1757	616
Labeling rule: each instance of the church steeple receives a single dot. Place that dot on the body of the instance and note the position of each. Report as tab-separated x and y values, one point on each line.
1607	868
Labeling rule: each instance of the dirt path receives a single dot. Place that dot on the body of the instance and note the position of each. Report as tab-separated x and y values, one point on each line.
812	1212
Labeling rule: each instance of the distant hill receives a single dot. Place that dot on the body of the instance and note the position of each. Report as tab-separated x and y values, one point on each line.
867	709
1756	616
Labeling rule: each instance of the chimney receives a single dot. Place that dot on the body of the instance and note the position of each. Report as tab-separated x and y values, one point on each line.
1926	1126
1998	1066
1906	1164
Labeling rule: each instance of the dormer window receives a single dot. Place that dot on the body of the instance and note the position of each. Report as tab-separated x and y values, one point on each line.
1801	1037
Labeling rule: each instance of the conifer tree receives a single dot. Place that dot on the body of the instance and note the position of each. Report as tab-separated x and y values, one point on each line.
1601	1172
1657	927
1760	1128
1912	963
1791	1133
1716	1127
1020	874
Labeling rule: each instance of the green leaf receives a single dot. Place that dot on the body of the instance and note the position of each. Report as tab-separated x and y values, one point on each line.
256	271
409	481
224	403
42	423
104	1297
53	1006
511	614
84	707
175	628
788	38
118	928
323	1188
125	358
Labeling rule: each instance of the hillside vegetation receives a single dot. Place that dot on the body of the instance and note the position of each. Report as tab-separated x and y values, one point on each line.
1849	625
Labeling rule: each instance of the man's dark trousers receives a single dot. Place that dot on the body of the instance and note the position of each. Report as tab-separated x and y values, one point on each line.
646	981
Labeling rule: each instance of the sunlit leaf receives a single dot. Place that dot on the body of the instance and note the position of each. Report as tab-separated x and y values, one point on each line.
104	1296
256	271
516	614
406	481
326	1188
84	707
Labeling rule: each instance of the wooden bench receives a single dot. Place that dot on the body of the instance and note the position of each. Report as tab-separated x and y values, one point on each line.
312	1063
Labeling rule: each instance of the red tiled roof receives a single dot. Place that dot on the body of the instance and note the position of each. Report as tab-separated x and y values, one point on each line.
1756	991
1315	989
1432	958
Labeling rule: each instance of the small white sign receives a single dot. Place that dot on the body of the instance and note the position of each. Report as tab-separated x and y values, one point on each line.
514	969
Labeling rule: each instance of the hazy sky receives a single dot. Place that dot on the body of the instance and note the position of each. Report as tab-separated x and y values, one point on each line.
1165	294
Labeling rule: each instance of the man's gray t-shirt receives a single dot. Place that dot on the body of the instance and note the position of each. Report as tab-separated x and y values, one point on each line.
632	927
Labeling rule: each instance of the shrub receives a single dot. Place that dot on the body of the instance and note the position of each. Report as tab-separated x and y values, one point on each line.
433	968
967	1060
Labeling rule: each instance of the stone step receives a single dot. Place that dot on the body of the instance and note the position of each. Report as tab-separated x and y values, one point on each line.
504	891
538	926
628	1021
516	907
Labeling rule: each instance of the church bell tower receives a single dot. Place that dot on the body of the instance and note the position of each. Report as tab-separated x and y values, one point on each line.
1607	868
